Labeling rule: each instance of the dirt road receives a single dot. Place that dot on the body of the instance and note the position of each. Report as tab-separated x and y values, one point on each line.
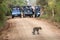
23	28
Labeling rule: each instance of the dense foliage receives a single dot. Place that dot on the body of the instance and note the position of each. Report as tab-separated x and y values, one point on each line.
51	9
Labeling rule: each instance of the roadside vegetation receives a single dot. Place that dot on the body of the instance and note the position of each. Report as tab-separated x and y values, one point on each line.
51	9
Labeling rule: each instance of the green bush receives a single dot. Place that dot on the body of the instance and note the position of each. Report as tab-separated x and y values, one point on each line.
2	18
48	14
57	10
57	18
2	15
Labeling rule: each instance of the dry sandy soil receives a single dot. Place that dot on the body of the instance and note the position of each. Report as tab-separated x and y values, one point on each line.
21	29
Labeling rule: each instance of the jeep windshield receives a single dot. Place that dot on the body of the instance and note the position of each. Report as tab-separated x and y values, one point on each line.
15	11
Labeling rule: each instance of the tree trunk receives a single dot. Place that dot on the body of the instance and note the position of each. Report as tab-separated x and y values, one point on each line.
52	12
42	11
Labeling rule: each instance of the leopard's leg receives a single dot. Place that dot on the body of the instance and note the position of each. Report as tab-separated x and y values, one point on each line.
37	31
33	32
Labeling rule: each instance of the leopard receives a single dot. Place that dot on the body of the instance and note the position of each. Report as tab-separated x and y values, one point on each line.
36	29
